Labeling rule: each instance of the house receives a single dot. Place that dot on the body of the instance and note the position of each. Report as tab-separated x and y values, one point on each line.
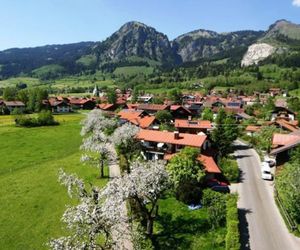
156	144
145	99
282	144
210	166
179	111
139	118
192	126
284	113
252	130
195	107
58	106
12	105
82	103
153	108
290	126
274	91
108	107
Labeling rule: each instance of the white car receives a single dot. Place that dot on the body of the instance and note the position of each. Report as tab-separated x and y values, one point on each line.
266	171
271	161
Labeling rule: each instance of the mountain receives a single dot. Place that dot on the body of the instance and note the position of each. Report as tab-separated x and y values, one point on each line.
136	44
281	32
16	61
137	40
282	37
201	44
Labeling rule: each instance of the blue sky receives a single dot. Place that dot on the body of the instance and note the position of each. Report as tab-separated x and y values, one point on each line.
26	23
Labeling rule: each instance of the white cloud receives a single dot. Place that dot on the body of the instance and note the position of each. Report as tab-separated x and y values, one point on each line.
296	3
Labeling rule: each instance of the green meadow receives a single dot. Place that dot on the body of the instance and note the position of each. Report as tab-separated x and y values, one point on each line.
31	199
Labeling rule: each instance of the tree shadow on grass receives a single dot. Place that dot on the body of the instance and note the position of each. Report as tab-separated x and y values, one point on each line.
177	234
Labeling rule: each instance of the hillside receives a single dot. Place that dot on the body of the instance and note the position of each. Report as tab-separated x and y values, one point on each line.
136	44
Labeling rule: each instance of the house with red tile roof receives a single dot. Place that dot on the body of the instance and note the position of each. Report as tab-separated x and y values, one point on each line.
153	108
282	145
252	129
138	117
82	103
208	162
192	126
58	105
12	105
179	111
156	144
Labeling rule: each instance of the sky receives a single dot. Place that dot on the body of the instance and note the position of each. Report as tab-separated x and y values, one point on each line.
29	23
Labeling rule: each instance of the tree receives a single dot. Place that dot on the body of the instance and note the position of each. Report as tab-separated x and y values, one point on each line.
186	173
126	144
144	185
9	94
98	151
265	136
96	121
225	133
207	114
97	147
95	222
163	116
111	96
175	95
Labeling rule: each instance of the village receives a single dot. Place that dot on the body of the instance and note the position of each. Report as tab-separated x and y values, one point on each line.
188	121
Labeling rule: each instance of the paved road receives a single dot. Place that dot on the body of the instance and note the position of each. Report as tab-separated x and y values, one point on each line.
261	224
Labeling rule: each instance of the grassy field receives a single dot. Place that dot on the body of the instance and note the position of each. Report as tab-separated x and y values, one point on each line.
179	228
11	82
31	199
133	70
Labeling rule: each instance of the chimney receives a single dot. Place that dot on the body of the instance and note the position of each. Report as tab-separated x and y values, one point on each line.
176	135
189	117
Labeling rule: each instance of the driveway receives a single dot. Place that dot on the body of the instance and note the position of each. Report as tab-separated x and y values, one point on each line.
261	224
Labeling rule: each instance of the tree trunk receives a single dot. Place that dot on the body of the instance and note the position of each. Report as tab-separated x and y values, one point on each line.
101	169
150	221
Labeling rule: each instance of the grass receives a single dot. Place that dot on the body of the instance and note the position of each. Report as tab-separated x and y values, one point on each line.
31	199
179	228
133	70
295	93
11	82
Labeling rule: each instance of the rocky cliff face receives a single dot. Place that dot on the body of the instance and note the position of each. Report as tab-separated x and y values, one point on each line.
256	53
205	44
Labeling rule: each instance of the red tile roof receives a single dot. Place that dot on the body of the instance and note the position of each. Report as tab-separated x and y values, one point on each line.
155	107
284	139
252	128
168	137
193	124
136	117
105	106
208	162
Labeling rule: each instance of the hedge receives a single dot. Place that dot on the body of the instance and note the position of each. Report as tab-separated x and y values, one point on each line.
232	224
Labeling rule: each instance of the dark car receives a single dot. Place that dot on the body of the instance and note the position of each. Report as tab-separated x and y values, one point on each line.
215	182
221	189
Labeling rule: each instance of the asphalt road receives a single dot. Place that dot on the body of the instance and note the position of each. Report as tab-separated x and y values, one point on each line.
261	224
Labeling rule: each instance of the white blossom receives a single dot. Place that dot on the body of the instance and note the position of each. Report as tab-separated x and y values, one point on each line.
124	134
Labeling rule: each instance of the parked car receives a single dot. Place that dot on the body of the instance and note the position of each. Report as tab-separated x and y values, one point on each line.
215	182
266	171
271	161
221	189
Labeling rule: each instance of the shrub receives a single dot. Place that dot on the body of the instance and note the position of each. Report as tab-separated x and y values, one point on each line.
230	169
45	118
216	206
232	224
